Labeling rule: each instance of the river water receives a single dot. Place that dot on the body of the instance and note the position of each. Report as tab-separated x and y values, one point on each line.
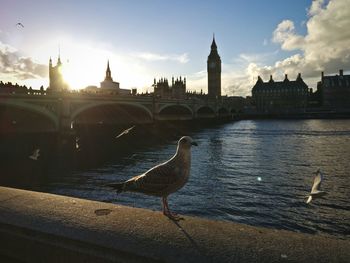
255	172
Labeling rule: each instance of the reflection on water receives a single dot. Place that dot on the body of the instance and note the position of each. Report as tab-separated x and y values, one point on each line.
252	172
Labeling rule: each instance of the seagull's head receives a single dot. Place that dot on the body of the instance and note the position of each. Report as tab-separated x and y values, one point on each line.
186	142
318	172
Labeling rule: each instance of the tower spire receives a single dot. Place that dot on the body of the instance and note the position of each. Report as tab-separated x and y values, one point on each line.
108	72
213	44
59	56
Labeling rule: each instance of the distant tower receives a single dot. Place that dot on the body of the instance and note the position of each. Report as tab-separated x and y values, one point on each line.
214	72
108	83
57	83
108	73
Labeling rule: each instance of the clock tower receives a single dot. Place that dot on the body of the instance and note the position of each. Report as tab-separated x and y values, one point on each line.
214	72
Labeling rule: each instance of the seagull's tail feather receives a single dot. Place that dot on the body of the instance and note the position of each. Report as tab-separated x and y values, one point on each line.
309	199
118	186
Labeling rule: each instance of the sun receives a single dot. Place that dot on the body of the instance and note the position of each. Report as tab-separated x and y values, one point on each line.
80	72
84	64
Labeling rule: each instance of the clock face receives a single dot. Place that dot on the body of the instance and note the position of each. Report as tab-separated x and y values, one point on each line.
212	64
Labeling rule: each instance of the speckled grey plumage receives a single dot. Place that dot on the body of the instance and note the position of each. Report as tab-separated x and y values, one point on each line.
165	178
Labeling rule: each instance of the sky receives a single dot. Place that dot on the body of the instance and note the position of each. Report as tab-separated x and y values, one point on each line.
147	39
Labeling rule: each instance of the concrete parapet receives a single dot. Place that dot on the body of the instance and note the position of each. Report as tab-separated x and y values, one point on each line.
39	227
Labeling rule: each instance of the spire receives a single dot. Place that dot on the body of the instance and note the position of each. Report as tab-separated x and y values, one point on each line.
108	69
108	72
59	56
213	44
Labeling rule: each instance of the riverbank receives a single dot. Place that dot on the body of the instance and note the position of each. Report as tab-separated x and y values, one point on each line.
39	227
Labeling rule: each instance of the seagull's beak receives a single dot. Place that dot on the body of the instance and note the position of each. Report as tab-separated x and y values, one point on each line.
194	144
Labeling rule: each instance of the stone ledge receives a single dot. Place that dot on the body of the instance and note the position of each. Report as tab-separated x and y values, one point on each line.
39	227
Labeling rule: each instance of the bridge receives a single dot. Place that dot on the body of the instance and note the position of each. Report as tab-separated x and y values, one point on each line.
60	112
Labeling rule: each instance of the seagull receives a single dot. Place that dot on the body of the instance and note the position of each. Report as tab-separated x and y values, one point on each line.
163	179
20	24
315	190
77	146
35	155
125	132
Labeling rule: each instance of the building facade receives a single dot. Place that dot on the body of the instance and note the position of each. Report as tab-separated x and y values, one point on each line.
214	72
280	96
177	90
108	86
335	90
56	81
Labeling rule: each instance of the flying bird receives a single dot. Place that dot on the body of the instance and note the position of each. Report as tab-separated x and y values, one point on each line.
20	24
35	155
163	179
77	145
315	190
125	132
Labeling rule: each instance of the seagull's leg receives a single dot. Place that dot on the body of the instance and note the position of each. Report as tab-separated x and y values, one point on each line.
167	211
164	206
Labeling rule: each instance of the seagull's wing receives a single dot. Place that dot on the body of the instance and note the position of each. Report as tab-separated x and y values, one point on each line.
317	182
120	134
155	181
129	129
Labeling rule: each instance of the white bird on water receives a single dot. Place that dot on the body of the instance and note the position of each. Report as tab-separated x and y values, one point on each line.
163	179
316	187
35	155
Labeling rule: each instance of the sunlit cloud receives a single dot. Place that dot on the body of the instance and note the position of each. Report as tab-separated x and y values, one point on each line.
325	47
180	58
15	65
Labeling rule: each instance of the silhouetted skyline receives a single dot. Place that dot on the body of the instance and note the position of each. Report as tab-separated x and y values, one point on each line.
147	40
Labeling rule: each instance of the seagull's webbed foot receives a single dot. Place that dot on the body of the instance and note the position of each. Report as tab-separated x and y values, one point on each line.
172	216
167	212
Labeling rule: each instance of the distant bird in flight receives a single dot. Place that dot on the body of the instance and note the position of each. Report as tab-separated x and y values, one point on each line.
77	145
125	132
35	155
20	24
163	179
315	190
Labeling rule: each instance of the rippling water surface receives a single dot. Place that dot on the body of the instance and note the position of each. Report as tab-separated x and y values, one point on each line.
252	172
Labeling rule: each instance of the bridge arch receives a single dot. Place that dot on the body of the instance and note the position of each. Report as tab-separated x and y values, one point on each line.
126	112
175	112
223	111
37	117
205	112
175	108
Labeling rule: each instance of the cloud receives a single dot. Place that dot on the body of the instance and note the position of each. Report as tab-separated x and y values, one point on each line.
255	57
182	58
316	7
13	65
286	36
324	47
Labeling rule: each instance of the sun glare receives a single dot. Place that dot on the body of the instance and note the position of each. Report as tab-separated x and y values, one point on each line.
84	64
